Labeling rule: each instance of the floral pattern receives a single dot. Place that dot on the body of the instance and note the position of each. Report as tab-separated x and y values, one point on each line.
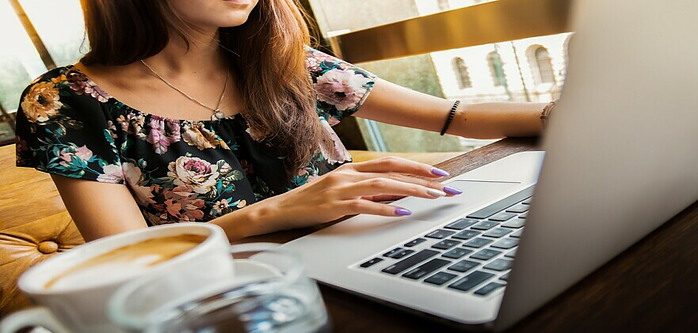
341	88
41	102
193	172
196	135
177	170
81	85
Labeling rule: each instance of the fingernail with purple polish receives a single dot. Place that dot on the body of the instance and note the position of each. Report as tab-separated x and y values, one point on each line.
439	172
451	190
402	211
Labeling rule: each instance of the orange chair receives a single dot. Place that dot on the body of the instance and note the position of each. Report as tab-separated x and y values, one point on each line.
34	225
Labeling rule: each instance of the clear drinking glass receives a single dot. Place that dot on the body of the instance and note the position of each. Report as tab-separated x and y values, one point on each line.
269	293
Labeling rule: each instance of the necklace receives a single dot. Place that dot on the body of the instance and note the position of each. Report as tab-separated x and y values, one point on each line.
217	113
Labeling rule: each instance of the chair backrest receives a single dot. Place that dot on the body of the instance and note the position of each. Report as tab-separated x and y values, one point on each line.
34	225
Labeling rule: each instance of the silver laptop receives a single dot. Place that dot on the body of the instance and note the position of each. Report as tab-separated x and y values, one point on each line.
620	160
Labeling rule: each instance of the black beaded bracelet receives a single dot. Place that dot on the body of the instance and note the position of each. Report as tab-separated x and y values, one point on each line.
450	117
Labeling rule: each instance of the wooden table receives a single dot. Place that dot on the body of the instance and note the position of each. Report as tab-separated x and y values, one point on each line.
650	287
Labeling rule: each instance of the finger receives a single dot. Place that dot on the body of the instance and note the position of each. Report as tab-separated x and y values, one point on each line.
450	191
386	186
386	197
399	165
361	206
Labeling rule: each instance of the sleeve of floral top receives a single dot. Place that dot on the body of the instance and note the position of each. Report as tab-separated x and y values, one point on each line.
62	128
341	87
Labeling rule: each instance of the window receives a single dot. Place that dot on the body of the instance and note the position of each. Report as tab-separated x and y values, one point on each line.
542	65
63	38
484	73
495	62
19	60
443	5
31	42
462	75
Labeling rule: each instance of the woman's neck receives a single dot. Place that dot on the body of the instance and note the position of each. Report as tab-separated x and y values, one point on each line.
202	56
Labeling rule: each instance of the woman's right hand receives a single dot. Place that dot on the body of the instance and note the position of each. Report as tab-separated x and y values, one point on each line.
353	188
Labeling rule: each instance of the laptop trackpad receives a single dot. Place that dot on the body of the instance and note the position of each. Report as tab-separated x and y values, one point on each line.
475	194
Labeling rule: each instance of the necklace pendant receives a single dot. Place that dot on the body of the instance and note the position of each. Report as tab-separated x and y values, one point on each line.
217	114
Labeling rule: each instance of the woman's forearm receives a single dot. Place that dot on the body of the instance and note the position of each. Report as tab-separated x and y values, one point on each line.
256	219
391	103
496	120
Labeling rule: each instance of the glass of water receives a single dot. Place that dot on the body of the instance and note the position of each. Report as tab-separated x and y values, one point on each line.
269	292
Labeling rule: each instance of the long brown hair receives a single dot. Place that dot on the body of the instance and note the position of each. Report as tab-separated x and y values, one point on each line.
267	53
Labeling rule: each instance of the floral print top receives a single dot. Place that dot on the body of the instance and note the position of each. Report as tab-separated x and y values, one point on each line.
177	170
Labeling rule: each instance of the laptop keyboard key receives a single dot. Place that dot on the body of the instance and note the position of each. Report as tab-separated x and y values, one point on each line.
415	242
517	233
504	277
466	234
457	253
511	254
514	223
409	261
440	234
496	233
485	225
371	262
461	224
471	280
445	244
499	265
477	242
463	266
488	288
485	254
425	269
520	208
502	204
440	278
398	253
503	216
506	243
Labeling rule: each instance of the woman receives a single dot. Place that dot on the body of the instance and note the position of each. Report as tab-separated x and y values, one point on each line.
192	110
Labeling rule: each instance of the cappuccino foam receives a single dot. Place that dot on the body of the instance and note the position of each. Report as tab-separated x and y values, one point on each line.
124	262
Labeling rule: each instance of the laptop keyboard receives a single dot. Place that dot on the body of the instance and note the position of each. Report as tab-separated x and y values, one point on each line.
471	254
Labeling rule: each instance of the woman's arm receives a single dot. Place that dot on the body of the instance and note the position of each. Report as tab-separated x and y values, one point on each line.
99	209
393	104
103	209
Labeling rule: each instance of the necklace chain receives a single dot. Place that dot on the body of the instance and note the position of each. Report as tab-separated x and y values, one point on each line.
217	113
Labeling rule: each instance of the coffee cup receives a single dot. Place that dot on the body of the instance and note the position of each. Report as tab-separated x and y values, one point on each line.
269	293
72	289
